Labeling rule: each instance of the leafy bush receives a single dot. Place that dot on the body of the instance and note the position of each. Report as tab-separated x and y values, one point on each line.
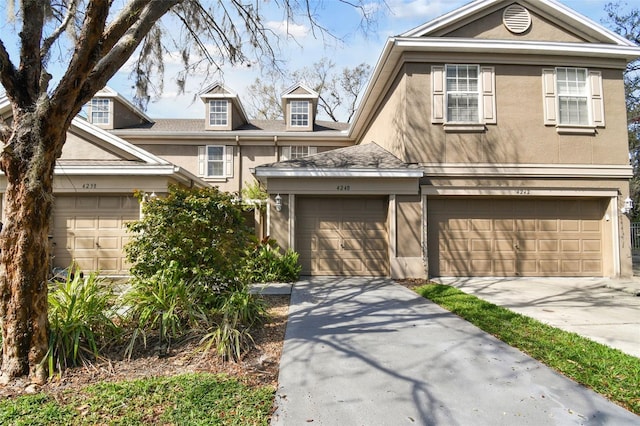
201	230
265	263
81	319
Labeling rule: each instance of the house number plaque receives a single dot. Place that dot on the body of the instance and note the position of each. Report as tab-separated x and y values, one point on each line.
343	188
89	186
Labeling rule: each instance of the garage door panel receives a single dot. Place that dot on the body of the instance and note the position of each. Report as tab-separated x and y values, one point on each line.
91	230
534	237
344	235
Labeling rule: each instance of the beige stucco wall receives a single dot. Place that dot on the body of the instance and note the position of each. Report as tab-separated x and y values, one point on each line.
403	125
124	117
279	220
491	27
76	148
409	226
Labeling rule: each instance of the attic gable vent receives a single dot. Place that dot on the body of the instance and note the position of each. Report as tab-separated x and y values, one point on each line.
516	18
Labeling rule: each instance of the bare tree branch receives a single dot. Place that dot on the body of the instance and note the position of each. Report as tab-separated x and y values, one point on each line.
48	42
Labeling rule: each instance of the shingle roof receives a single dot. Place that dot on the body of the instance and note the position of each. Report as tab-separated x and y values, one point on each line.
365	156
198	126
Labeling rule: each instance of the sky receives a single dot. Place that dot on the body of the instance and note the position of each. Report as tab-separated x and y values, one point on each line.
352	46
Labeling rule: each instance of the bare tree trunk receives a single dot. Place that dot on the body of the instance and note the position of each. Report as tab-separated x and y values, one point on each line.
25	248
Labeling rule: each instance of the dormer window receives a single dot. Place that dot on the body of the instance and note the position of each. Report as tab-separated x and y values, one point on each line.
100	111
218	114
299	113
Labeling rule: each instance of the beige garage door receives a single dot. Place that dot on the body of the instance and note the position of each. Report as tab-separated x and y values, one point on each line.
91	230
515	237
342	236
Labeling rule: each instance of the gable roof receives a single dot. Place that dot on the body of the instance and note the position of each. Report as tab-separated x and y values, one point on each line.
134	160
550	9
606	49
224	93
366	160
107	92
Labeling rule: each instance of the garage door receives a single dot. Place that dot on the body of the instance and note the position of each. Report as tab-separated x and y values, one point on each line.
91	230
515	237
342	236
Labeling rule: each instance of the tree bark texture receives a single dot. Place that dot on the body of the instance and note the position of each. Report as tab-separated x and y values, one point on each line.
28	161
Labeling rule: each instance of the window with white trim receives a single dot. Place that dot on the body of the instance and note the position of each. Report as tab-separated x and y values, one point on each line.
100	111
218	112
462	93
215	161
573	99
299	113
296	151
463	96
573	95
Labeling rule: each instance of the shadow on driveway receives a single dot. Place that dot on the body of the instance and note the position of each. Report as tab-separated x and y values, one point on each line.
366	351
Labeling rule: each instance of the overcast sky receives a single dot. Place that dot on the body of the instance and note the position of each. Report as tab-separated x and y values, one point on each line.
357	46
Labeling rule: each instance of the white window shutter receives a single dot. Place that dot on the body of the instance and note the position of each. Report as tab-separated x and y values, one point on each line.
285	153
549	96
202	160
313	150
488	94
228	162
437	94
597	101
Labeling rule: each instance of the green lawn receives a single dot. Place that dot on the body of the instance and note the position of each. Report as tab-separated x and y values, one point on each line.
608	371
193	399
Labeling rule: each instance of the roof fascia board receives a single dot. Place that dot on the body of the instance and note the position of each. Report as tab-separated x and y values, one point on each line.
231	136
287	93
627	53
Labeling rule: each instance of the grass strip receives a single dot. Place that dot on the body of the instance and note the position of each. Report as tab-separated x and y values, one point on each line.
608	371
191	399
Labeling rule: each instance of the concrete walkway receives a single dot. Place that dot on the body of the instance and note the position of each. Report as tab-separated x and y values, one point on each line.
370	352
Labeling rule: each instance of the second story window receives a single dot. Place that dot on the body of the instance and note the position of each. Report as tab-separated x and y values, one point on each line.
100	111
218	112
463	97
296	151
462	93
573	99
215	161
299	113
573	95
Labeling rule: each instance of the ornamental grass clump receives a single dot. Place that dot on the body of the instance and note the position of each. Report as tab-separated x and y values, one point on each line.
82	319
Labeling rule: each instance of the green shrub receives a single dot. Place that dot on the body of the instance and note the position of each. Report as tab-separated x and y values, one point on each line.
81	318
265	263
201	230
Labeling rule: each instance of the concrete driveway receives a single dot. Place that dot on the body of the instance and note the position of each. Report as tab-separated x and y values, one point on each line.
364	351
601	309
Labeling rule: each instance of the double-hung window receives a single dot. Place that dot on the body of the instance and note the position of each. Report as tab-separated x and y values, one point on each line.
463	93
215	161
218	112
100	111
573	100
573	96
299	113
463	97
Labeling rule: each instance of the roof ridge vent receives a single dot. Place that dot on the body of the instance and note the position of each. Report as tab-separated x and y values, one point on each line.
516	18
